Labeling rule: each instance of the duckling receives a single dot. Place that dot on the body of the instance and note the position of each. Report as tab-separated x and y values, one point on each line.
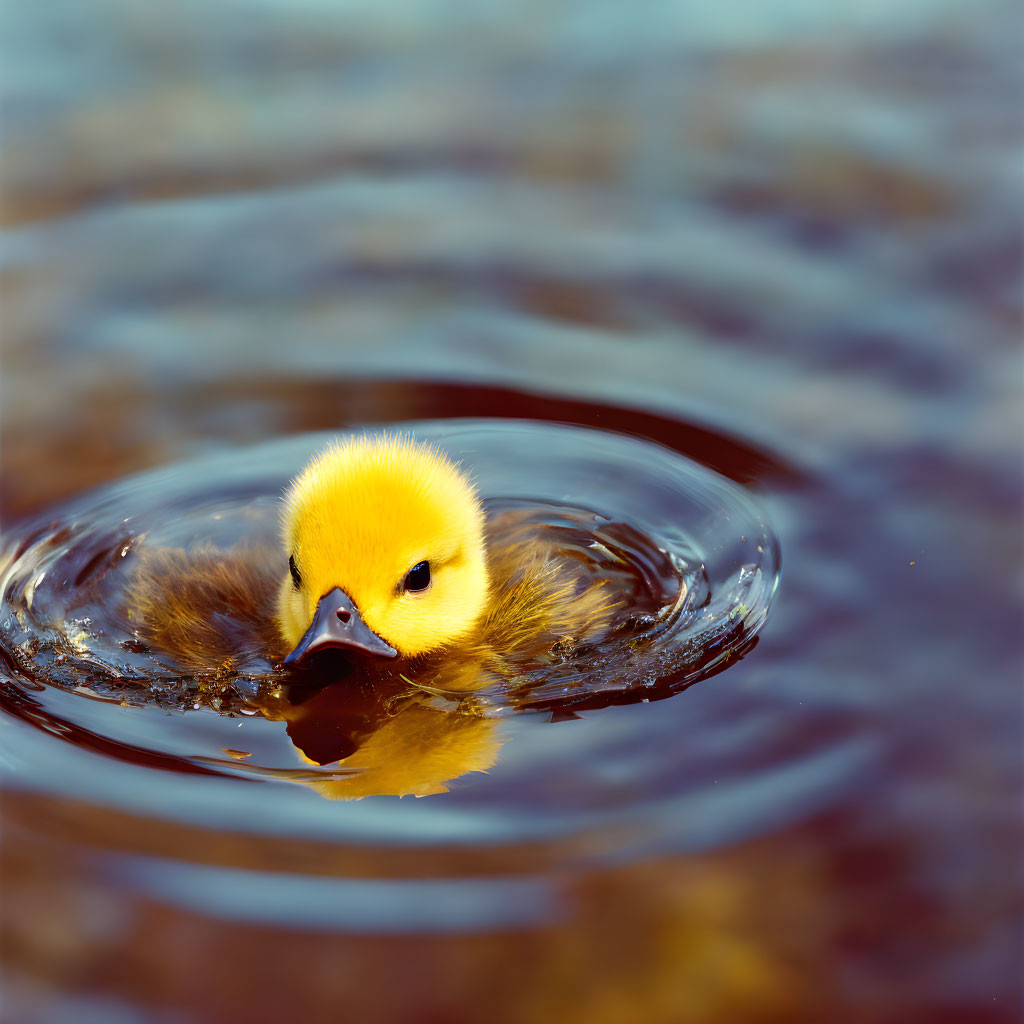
391	558
388	555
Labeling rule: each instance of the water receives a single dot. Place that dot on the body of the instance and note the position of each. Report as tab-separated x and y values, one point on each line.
690	553
785	250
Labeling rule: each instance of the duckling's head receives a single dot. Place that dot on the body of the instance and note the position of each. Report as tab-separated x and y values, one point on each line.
385	545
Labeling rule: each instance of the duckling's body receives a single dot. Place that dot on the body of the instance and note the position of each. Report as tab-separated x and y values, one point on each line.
211	610
216	611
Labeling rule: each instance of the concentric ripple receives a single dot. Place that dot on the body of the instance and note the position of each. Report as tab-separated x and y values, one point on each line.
694	548
703	563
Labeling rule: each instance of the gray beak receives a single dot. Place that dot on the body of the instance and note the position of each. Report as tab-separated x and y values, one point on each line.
336	623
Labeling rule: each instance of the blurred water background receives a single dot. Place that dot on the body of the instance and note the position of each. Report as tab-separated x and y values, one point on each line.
783	239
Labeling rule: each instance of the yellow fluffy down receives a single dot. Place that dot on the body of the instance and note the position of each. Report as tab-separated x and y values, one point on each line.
360	516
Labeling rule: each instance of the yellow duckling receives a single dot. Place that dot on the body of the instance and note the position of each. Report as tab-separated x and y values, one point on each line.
385	539
389	556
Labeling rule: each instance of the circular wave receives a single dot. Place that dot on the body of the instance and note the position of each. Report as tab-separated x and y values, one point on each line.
697	546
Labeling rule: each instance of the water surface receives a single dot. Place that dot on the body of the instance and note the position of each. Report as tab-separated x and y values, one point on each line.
785	249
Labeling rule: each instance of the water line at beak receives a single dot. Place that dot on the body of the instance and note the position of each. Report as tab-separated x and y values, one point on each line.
337	623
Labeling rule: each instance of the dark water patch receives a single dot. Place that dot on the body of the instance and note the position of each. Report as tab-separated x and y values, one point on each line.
299	404
246	408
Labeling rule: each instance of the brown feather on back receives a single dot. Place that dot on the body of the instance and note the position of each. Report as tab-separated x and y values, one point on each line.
212	610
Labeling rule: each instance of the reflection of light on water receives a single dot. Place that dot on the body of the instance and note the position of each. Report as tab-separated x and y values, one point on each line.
736	805
404	906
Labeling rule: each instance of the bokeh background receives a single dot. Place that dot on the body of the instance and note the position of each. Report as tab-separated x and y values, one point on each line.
790	225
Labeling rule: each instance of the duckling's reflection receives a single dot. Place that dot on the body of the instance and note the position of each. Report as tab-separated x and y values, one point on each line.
385	737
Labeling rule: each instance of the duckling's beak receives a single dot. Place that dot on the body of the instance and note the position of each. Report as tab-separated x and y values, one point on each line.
336	623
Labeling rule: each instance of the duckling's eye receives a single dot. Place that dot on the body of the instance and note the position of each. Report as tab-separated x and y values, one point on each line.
418	577
294	570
